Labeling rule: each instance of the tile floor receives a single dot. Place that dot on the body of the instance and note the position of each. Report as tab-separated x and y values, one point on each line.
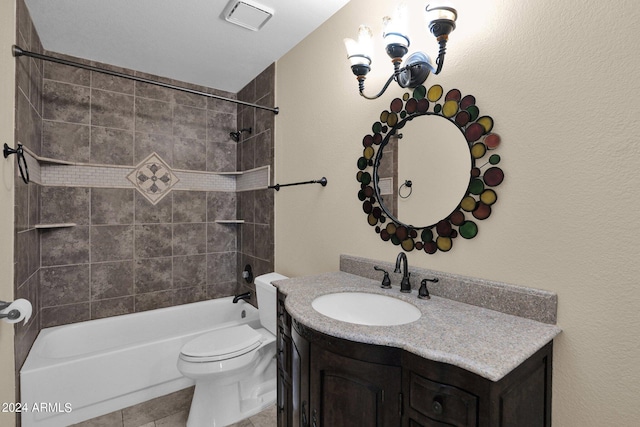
171	410
266	418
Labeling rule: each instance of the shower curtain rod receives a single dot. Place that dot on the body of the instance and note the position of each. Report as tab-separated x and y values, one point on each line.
17	51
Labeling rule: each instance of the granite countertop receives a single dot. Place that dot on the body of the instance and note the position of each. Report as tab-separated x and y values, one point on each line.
485	342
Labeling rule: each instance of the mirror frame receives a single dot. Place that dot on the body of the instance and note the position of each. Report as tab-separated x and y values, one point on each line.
480	195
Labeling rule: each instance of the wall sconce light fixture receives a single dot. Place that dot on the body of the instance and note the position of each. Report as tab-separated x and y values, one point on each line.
416	68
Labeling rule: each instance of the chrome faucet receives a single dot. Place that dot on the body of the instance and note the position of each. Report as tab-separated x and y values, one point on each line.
405	285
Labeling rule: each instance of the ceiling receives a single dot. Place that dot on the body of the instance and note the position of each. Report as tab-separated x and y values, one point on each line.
186	40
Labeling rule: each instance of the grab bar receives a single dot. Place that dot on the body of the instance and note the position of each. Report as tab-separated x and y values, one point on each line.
322	181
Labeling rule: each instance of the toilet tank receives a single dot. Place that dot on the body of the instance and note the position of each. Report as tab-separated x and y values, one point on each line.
267	300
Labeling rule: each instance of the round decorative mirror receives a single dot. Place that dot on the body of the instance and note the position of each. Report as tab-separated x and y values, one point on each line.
428	170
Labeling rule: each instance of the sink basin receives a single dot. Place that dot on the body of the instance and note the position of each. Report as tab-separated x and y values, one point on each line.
366	309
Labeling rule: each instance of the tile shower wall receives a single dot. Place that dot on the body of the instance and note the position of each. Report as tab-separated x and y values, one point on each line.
28	126
254	150
125	254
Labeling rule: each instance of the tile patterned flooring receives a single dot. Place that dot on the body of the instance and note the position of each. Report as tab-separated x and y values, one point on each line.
266	418
169	411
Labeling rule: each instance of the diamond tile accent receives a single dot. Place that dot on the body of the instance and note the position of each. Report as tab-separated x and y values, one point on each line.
153	178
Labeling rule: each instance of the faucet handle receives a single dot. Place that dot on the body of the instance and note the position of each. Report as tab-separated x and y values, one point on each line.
386	282
423	292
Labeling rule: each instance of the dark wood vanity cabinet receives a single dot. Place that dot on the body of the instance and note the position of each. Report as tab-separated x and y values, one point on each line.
325	381
444	395
293	373
351	392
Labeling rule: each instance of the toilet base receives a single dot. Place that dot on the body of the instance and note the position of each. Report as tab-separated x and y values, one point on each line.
218	405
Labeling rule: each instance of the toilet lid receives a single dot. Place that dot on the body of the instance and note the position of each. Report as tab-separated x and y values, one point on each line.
223	343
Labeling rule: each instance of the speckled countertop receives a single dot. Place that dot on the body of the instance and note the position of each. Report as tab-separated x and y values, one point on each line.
486	342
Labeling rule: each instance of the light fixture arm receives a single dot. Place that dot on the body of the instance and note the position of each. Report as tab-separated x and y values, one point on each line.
394	76
417	67
384	88
441	53
413	75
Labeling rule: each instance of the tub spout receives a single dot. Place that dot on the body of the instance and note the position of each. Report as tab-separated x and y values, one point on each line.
244	296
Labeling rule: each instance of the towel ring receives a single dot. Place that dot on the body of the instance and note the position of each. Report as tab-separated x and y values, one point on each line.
407	184
22	162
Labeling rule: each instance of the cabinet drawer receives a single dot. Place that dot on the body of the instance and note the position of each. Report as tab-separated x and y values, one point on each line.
442	402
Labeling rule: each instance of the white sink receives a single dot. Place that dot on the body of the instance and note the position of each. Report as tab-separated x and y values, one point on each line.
366	309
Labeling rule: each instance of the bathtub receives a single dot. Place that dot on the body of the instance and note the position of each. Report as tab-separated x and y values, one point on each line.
84	370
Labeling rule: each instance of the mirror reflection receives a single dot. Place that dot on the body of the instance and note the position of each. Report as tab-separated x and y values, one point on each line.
424	171
424	189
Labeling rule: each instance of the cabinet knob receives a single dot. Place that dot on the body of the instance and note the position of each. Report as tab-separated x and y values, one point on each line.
437	405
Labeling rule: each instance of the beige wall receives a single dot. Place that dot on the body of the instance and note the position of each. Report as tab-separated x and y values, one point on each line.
560	80
7	96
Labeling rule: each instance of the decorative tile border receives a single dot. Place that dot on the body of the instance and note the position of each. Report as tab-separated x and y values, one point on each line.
60	175
254	179
204	181
153	178
385	185
52	173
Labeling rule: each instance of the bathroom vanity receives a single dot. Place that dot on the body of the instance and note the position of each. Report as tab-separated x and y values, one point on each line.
458	365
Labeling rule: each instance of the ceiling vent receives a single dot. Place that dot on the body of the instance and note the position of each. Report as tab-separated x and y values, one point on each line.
247	14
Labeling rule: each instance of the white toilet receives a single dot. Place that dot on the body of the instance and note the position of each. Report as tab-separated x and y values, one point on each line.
234	368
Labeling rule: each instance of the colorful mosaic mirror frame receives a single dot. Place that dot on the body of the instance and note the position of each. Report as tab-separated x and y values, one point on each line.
485	175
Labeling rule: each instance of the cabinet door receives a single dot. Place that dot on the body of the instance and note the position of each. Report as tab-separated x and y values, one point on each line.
350	393
299	380
283	400
285	374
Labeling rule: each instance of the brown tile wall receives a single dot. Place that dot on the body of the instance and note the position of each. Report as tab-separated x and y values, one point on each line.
254	150
28	128
125	254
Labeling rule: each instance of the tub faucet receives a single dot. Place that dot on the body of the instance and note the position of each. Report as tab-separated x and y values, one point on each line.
405	285
244	296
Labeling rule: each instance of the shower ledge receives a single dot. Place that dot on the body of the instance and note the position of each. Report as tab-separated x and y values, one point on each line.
58	225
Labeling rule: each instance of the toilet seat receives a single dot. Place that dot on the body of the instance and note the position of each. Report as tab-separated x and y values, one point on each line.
221	344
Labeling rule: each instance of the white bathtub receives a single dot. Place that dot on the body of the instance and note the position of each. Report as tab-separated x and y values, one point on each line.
83	370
